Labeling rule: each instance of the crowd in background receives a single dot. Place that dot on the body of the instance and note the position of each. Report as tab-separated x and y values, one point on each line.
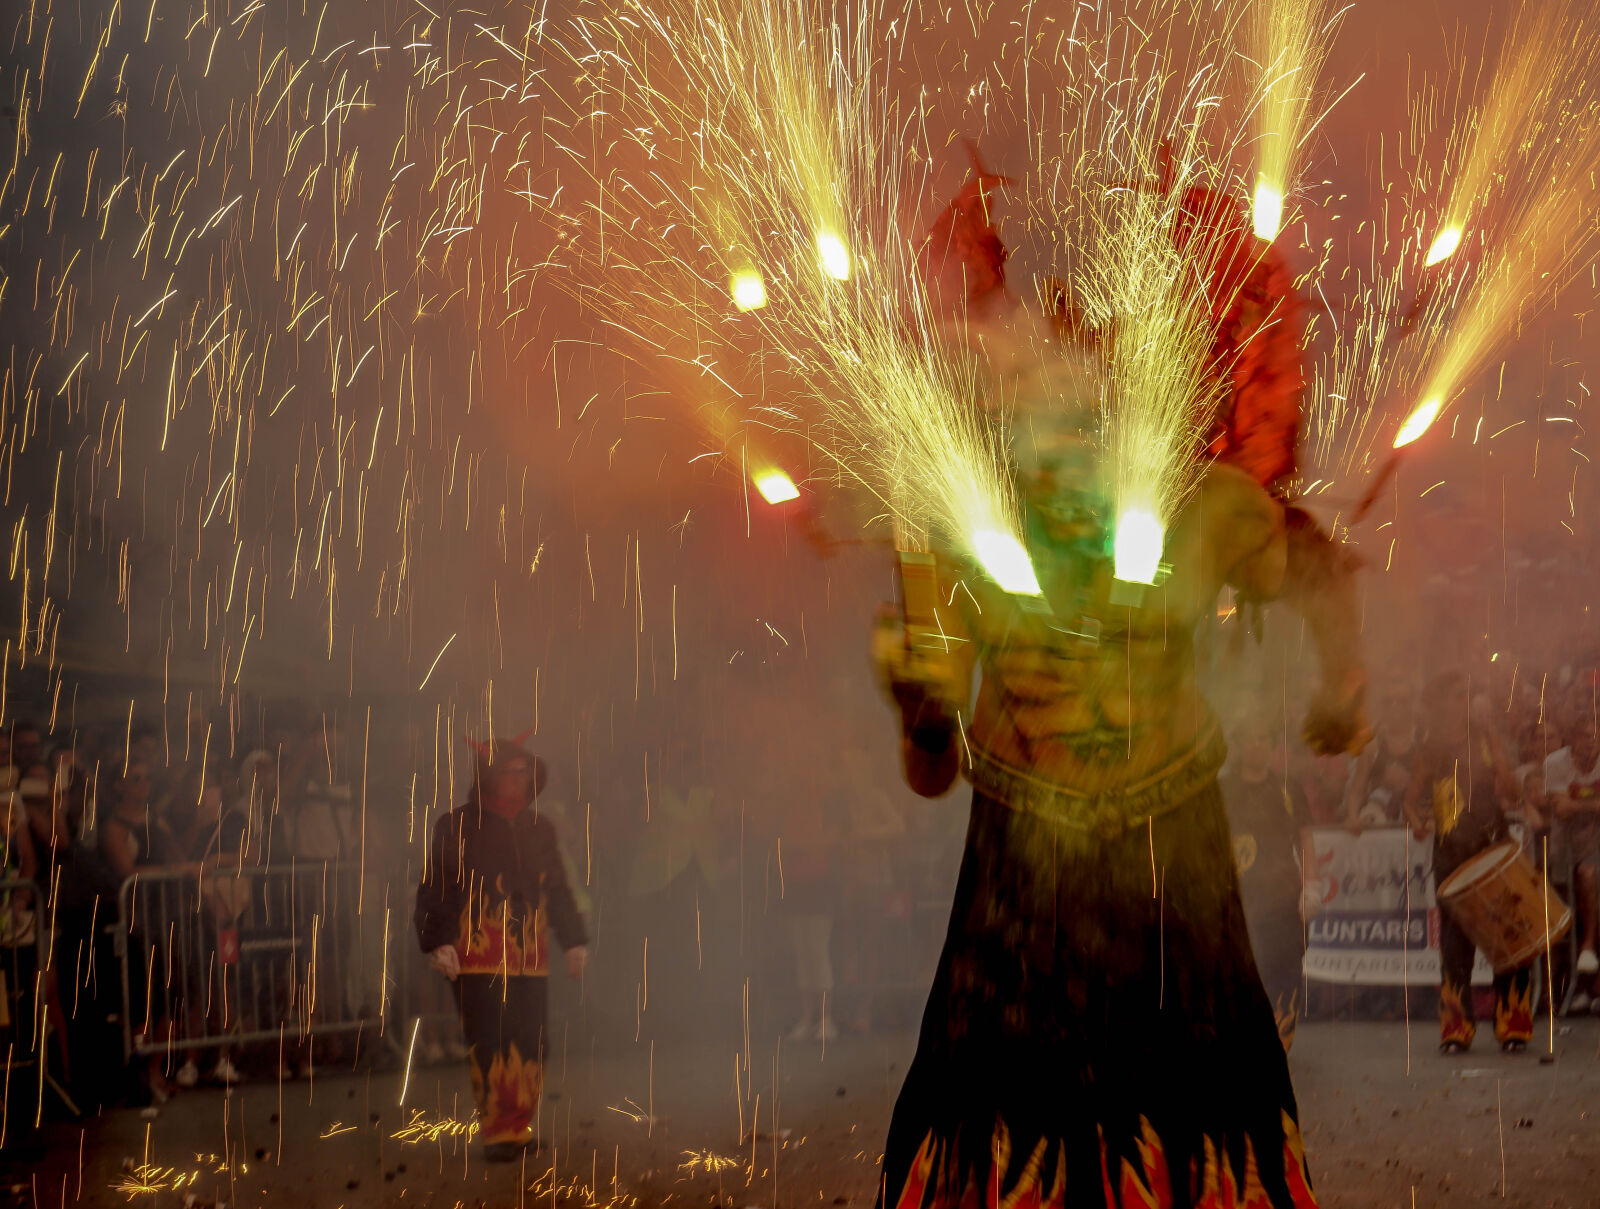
812	894
137	855
89	813
1542	728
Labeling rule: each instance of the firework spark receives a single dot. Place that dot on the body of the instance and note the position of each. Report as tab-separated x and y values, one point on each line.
1290	41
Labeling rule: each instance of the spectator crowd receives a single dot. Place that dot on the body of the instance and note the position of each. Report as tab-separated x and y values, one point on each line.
1538	768
136	859
145	948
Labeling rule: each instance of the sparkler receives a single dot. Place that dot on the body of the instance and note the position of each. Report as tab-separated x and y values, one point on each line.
1525	182
781	112
1290	40
1505	126
1143	147
1161	391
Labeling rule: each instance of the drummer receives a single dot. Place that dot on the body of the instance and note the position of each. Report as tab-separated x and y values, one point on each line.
1460	779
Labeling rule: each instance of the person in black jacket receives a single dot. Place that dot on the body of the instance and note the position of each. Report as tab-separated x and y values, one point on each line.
494	882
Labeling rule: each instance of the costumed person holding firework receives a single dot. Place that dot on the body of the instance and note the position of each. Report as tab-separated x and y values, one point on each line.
494	881
1097	1032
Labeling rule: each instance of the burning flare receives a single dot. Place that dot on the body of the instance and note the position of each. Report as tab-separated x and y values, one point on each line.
1136	547
1006	561
1419	421
776	487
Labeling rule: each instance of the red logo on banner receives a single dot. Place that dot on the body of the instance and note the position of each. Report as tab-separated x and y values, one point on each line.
228	946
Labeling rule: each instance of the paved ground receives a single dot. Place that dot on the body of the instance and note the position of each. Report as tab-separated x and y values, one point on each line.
1383	1128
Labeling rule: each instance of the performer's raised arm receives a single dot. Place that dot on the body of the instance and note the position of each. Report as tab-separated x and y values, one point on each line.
1280	553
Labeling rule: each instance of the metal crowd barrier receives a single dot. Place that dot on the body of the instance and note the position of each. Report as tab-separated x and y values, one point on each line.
27	1010
23	929
225	955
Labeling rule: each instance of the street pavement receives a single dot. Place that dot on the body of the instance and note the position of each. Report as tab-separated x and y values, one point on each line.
1387	1122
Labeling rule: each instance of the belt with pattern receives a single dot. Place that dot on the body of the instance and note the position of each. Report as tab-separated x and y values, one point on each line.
1113	813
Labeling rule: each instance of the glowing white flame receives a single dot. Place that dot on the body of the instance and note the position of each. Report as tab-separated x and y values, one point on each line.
1444	245
1006	562
832	256
1136	549
748	290
1267	211
776	487
1418	421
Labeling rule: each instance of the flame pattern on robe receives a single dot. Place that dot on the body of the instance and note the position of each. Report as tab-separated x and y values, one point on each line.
935	1181
499	934
508	1096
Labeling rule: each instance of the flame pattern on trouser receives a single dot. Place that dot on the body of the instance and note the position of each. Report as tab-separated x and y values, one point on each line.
1513	992
503	1020
1095	1036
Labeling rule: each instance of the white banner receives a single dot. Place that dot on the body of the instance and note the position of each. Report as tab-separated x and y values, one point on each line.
1379	922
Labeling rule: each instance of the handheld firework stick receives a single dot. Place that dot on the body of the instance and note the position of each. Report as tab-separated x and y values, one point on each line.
1414	425
912	643
919	600
1380	480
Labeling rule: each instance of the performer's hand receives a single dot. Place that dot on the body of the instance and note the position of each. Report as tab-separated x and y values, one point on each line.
1312	896
1336	721
926	681
577	958
446	960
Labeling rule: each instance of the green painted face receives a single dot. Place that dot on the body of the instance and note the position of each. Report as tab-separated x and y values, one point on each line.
1058	479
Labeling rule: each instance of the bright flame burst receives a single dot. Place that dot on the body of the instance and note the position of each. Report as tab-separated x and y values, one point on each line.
1443	246
1005	560
748	291
781	116
1266	210
833	258
1137	546
1418	421
776	487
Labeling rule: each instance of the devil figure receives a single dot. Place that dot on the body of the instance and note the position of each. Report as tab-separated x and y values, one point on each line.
494	881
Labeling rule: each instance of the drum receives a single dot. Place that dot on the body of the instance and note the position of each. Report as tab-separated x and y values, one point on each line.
1503	904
